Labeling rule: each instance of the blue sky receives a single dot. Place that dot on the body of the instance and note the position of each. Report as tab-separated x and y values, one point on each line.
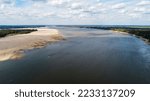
70	12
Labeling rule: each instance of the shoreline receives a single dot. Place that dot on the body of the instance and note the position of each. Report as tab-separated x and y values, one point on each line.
12	47
137	36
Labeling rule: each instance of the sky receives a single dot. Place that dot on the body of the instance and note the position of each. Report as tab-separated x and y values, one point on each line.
75	12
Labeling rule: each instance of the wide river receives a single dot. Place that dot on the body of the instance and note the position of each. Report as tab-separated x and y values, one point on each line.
86	56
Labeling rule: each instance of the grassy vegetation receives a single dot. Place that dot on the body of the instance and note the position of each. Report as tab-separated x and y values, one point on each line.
7	32
145	33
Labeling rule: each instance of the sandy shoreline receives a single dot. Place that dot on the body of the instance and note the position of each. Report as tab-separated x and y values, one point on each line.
12	47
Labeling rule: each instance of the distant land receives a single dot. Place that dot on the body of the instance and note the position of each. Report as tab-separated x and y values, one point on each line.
138	30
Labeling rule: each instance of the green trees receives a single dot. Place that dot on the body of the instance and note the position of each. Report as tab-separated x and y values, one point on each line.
6	32
145	33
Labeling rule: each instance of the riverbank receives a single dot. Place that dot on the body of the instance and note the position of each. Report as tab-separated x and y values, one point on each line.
141	33
12	47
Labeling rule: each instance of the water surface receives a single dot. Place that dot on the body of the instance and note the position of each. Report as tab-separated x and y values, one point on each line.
86	56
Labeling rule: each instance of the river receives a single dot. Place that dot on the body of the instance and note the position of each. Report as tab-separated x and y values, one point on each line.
88	56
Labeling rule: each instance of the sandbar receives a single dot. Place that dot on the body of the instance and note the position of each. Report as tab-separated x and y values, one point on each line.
12	47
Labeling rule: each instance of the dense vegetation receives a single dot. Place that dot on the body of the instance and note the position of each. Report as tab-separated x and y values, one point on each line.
142	31
20	26
145	33
6	32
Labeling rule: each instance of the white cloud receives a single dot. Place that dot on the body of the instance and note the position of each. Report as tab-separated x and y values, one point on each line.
7	1
76	6
139	9
119	6
60	3
144	3
93	11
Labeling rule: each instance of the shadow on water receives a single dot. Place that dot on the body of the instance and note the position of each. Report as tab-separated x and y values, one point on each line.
87	56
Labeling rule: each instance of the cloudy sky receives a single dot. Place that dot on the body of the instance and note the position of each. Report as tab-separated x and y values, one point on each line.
70	12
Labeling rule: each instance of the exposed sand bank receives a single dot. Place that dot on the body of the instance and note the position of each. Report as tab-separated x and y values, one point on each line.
12	47
121	32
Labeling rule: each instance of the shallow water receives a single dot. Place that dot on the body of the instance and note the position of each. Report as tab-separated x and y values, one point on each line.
86	56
